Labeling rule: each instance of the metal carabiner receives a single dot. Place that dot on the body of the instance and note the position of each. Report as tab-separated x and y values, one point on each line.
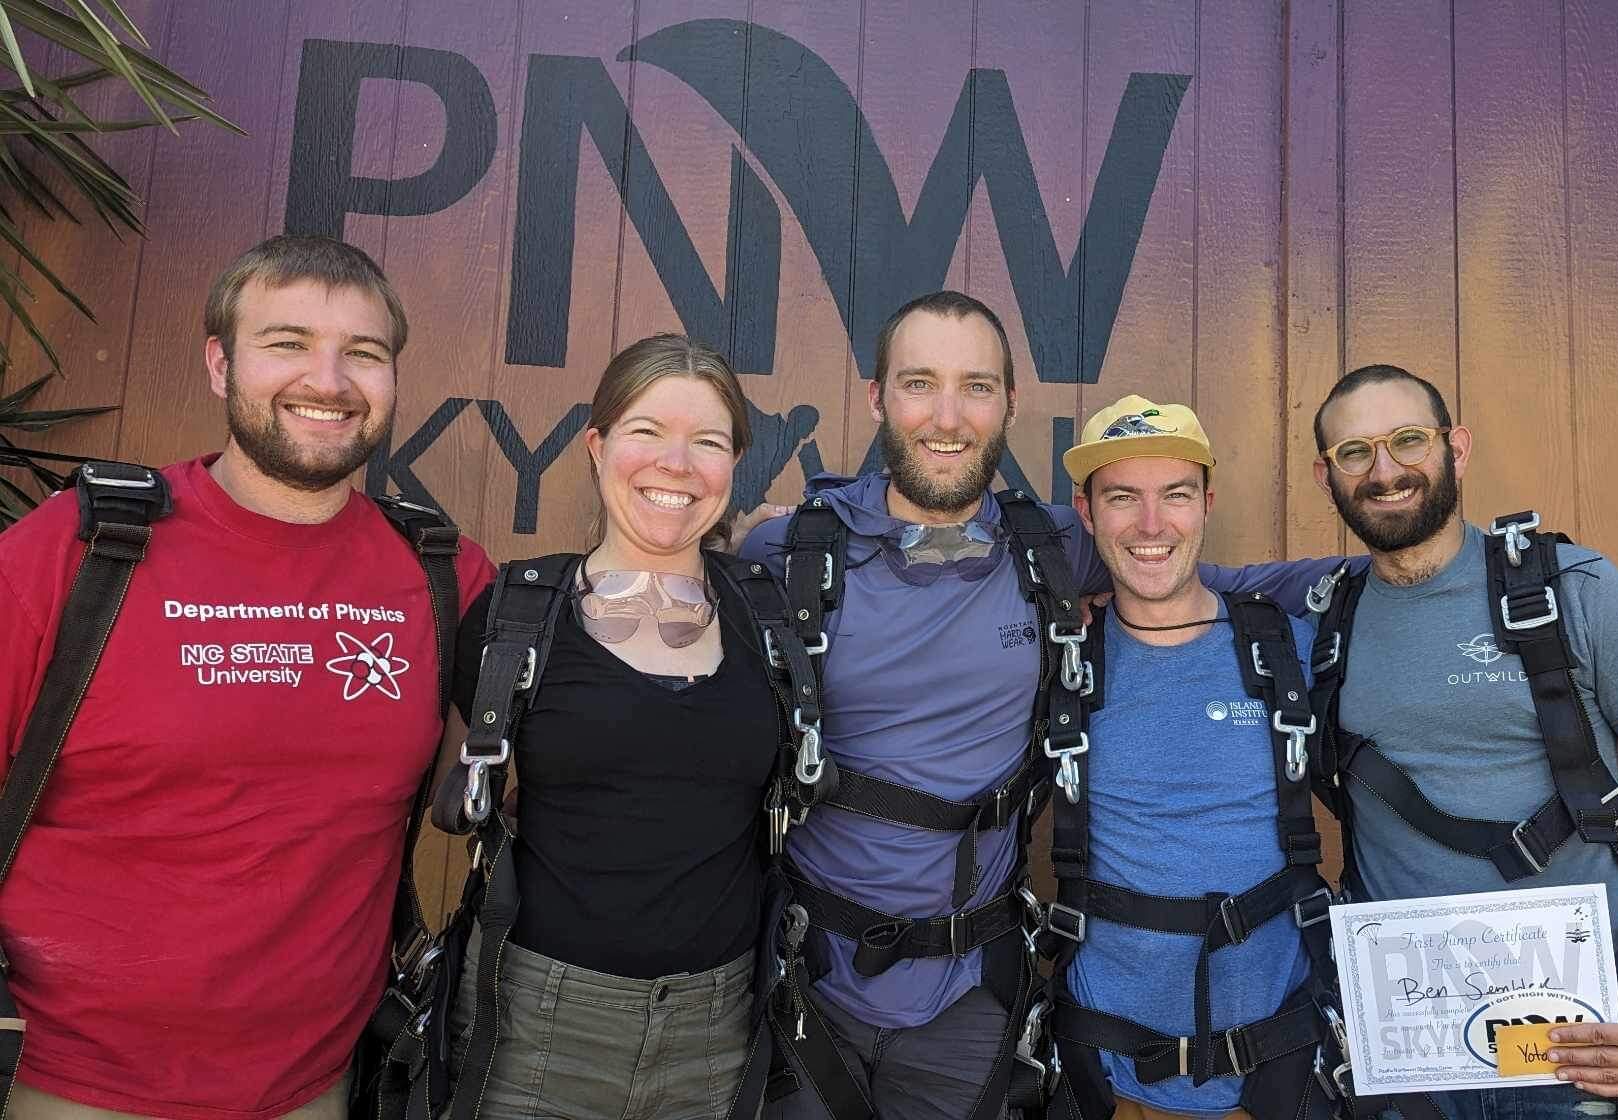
1297	743
1067	770
810	766
476	802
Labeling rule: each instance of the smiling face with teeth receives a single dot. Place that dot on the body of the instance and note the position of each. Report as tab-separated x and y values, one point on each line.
944	409
665	470
309	384
1394	508
1148	515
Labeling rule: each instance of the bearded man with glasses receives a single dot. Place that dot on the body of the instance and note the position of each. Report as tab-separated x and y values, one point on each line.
1426	685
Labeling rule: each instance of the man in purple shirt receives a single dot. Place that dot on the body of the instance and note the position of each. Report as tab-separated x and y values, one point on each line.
933	660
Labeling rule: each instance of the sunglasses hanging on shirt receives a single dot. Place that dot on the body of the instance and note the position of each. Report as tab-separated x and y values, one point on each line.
920	554
611	605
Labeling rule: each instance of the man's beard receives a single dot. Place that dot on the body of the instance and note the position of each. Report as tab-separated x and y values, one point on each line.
258	432
1394	532
912	480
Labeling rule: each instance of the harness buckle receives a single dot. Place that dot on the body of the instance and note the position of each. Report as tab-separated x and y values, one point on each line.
1316	919
1335	1083
1033	568
1185	1056
1231	1037
1335	656
1076	933
1515	540
1518	837
1002	814
1067	771
1550	614
957	934
777	659
1258	663
525	679
88	472
1297	740
1031	1040
1235	927
811	764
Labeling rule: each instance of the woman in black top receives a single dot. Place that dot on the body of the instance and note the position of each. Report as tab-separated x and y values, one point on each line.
642	767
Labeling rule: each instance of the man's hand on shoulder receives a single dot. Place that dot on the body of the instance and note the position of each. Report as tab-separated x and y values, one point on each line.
745	523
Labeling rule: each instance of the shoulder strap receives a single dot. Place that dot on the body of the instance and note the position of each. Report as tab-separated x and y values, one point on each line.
436	541
1067	692
1267	654
117	504
816	557
527	598
1061	720
805	776
1526	614
1333	601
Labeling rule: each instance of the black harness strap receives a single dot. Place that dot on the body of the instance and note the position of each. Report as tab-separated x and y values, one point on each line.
117	504
1526	614
883	940
527	598
1268	660
396	1028
816	546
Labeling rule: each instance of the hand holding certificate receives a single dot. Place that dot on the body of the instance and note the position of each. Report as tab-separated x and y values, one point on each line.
1428	982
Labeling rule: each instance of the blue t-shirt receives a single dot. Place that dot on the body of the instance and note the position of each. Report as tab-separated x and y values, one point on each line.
932	687
1179	741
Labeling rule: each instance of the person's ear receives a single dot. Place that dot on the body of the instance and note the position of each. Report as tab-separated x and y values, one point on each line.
218	363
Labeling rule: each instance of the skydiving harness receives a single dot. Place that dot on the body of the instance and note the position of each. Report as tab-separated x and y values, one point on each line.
1295	1061
1527	620
528	597
118	502
1007	925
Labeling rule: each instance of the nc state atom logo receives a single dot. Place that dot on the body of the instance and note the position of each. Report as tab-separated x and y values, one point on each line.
364	667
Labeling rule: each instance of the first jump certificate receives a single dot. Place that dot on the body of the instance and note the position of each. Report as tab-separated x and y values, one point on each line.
1428	981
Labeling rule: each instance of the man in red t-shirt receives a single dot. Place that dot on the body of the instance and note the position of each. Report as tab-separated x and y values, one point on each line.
197	921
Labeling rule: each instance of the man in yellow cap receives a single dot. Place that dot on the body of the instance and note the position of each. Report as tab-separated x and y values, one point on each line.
1190	843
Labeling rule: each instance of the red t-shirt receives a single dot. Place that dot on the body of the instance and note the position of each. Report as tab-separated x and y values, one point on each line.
198	918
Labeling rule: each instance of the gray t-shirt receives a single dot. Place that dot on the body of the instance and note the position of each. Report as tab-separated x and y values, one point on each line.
1425	680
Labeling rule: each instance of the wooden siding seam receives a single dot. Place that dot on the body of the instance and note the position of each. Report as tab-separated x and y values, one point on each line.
1572	297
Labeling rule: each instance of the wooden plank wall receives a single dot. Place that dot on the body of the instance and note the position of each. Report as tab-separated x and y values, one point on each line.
1425	182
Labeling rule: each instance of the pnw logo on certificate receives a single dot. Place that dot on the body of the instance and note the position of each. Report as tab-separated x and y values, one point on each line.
1427	982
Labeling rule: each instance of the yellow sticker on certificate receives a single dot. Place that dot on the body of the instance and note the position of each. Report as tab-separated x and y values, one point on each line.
1428	983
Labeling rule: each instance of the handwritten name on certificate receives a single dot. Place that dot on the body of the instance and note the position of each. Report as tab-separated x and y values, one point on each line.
1428	981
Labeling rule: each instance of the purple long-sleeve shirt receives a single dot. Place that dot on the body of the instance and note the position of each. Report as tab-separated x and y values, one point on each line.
932	687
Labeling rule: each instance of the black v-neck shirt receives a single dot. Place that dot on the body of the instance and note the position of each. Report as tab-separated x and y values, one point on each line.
638	806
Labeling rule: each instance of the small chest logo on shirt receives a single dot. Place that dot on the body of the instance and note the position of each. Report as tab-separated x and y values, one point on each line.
1018	634
1481	649
367	666
1240	713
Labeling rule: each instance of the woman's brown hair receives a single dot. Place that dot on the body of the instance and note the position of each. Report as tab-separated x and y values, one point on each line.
635	369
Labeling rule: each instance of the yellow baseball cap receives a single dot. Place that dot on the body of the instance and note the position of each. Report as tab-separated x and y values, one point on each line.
1135	428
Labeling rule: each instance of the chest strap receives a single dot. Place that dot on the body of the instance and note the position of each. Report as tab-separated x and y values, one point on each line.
1019	798
882	940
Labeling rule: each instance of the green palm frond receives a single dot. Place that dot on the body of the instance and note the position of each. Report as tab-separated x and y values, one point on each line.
46	167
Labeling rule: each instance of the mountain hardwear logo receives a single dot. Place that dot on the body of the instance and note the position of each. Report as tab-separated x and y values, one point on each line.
368	666
1481	649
